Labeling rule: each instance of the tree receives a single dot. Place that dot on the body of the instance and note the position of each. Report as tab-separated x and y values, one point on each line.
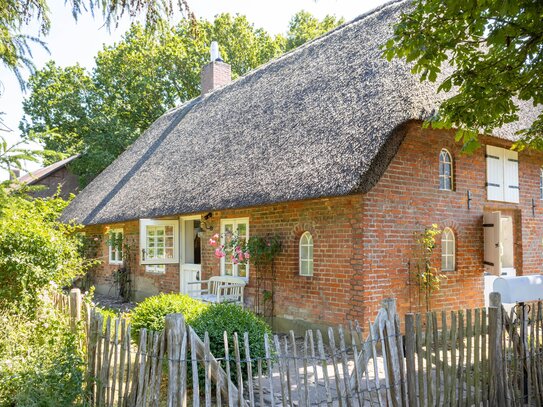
99	114
15	47
496	51
304	27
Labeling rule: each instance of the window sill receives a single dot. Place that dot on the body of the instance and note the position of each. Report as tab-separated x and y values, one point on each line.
115	263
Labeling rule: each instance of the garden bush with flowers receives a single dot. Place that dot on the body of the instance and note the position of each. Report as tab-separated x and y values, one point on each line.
258	250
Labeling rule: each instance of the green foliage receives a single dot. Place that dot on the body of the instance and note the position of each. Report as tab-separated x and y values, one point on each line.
304	27
219	318
15	47
36	250
150	313
40	360
100	113
426	276
263	249
495	49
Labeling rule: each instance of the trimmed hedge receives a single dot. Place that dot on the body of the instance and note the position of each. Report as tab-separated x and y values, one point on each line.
150	313
218	318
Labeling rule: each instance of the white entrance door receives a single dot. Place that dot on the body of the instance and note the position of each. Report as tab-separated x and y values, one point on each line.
190	264
499	249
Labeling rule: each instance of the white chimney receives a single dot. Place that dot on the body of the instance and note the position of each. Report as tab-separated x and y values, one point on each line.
216	73
214	51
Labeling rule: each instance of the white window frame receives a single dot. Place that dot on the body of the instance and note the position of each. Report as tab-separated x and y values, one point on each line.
309	259
234	222
113	254
144	223
442	175
444	253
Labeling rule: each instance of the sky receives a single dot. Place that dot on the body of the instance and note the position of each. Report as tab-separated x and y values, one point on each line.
72	42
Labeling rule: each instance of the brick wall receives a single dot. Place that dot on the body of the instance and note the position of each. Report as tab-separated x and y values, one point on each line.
144	283
407	199
68	182
363	244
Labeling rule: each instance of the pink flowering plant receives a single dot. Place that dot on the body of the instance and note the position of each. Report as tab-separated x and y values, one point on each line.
234	246
259	249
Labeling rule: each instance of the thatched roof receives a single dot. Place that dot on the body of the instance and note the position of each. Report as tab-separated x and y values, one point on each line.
323	120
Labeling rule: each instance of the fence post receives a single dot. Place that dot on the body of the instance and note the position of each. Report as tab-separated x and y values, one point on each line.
411	373
75	308
497	367
175	327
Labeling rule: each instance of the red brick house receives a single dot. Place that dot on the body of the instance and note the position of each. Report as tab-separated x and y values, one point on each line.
323	147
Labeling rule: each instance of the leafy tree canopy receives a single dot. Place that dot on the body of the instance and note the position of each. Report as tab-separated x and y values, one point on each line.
15	47
496	50
98	114
304	27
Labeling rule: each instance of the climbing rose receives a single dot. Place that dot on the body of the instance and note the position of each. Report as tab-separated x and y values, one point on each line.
213	242
219	253
216	236
247	255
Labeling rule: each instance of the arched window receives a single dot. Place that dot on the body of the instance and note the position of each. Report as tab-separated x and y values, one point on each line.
306	254
448	250
445	170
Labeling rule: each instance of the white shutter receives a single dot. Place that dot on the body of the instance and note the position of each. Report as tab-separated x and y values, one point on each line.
492	236
494	173
159	241
511	184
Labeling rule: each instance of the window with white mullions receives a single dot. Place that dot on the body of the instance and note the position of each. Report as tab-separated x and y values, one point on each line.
159	241
306	254
448	250
445	170
115	243
229	228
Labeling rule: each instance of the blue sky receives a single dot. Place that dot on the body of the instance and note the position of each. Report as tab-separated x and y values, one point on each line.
72	42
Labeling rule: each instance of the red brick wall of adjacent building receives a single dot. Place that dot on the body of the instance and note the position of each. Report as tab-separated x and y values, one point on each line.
363	244
69	184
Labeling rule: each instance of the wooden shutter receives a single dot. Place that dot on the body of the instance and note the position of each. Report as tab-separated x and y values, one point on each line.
492	236
494	173
511	184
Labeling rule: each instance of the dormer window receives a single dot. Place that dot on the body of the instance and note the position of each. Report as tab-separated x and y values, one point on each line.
445	170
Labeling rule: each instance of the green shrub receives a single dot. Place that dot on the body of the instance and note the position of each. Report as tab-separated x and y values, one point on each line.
40	360
230	318
36	250
150	313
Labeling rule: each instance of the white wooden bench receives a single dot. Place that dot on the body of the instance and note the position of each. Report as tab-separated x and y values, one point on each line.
220	289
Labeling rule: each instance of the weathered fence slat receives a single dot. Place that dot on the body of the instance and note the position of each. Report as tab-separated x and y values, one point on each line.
477	357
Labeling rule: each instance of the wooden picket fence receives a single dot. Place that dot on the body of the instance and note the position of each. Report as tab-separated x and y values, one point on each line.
473	357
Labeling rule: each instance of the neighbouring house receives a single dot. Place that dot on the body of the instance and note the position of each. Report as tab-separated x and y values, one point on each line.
51	178
325	148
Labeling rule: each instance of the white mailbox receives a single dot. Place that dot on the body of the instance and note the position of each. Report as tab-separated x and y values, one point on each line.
519	289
